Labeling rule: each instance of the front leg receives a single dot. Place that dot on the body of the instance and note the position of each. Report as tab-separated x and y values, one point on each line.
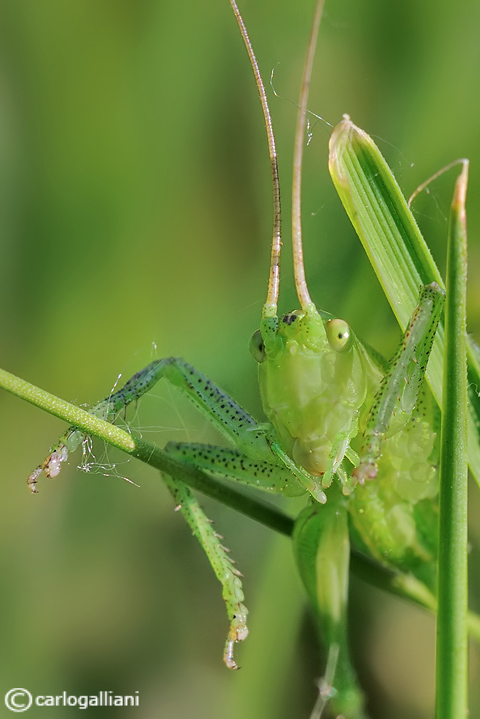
256	441
228	416
395	401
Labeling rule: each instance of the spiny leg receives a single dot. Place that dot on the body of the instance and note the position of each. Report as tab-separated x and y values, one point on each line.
215	404
234	465
229	417
398	393
256	441
221	563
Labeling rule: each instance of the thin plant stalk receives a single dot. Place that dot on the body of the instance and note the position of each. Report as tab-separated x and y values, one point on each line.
451	667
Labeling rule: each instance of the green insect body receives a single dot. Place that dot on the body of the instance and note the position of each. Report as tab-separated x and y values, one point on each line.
356	435
329	401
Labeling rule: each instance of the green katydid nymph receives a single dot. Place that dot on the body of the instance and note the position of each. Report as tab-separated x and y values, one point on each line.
356	435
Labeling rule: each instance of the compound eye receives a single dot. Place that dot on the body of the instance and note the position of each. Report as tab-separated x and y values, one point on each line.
338	335
257	348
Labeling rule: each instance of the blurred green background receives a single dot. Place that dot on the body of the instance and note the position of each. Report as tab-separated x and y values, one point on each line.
135	215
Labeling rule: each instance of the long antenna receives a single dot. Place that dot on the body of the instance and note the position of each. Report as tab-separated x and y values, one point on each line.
270	306
298	266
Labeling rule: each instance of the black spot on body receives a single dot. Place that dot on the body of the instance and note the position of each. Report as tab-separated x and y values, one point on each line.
289	318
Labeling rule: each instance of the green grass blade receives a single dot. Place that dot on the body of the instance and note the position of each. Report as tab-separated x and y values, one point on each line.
452	668
395	248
